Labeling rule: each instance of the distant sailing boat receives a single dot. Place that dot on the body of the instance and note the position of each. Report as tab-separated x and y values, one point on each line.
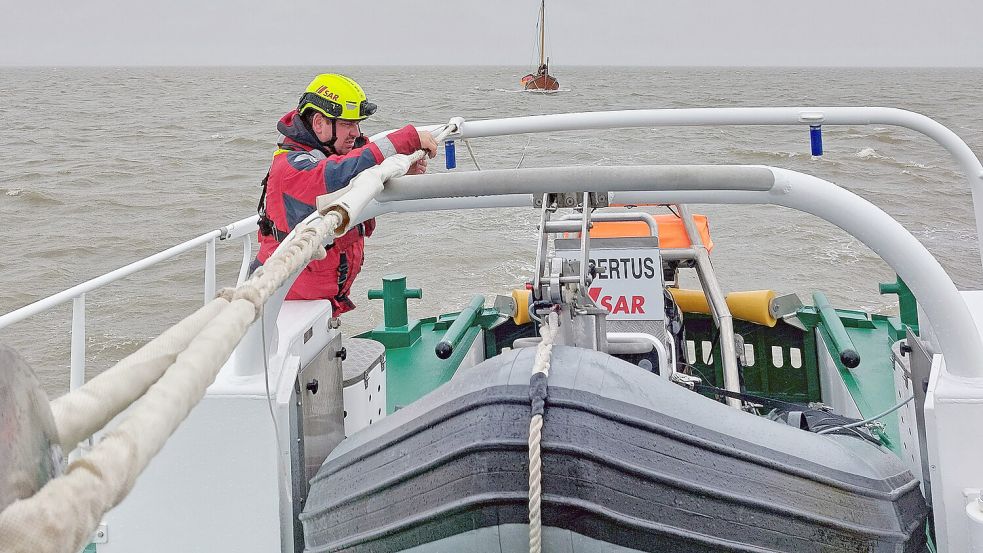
541	80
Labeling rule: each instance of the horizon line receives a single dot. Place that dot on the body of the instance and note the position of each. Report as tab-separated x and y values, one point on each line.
377	65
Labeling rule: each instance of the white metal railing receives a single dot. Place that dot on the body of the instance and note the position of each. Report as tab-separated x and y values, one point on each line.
536	124
241	229
720	184
720	117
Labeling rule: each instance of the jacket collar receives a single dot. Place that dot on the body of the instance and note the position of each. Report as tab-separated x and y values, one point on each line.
296	132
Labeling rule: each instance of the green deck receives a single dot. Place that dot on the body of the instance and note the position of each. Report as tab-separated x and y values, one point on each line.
412	366
782	361
414	370
872	383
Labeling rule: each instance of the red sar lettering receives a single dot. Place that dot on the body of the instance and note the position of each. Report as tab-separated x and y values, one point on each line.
620	305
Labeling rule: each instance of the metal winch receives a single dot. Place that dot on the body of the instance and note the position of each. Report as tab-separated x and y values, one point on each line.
560	284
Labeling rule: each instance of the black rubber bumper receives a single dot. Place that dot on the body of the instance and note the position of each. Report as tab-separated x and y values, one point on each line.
628	459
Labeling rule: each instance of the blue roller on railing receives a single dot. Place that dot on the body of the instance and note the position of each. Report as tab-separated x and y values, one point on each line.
450	154
816	139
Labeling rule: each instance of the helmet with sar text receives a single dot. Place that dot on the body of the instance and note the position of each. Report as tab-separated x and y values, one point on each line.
336	97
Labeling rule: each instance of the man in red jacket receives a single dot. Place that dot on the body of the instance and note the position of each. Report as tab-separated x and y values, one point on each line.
321	150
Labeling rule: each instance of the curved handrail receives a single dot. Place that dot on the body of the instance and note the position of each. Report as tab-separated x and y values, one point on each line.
803	115
931	285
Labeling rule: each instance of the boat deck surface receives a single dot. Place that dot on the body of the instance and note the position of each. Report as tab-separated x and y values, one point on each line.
414	371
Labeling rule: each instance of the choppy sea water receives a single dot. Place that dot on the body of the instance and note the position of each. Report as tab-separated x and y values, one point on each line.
104	166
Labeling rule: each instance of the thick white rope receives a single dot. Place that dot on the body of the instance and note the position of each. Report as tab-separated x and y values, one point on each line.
62	515
541	365
83	412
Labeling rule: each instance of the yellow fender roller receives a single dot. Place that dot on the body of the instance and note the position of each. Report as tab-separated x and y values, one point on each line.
753	306
521	298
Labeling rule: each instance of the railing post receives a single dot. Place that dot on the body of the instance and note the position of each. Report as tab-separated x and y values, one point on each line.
247	258
78	343
209	270
718	306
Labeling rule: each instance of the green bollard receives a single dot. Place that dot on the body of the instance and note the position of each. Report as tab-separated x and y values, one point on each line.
394	294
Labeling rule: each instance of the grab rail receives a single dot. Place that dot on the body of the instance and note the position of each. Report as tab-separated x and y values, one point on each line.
845	350
710	117
460	326
719	184
242	229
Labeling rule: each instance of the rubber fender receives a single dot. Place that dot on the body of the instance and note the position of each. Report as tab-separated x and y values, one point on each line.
521	298
752	306
449	472
690	301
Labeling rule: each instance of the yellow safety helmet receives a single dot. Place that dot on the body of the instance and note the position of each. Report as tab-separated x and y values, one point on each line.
337	97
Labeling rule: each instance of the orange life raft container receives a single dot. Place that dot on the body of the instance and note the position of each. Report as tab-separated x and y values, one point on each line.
672	233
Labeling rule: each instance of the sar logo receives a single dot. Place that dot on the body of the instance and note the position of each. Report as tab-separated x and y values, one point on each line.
323	91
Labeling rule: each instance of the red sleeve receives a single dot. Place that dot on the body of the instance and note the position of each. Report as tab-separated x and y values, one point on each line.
403	141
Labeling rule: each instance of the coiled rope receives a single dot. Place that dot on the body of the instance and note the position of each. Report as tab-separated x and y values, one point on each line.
537	398
164	381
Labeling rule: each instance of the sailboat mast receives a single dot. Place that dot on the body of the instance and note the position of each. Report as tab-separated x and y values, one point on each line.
542	32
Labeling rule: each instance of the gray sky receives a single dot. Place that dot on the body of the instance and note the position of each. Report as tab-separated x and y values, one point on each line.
492	32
